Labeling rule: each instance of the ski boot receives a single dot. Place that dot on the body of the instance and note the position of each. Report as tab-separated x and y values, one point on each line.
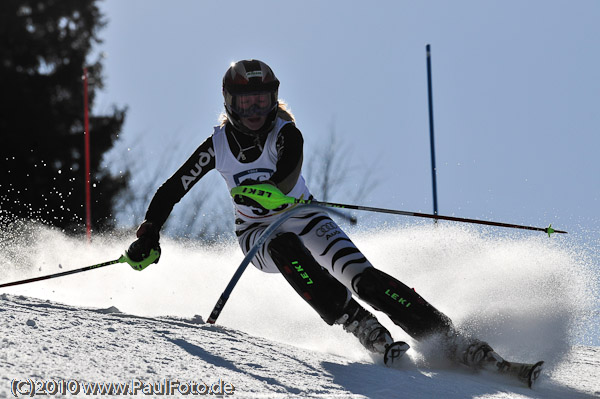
471	352
371	334
480	356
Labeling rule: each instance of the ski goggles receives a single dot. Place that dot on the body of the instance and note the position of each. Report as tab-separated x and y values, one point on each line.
252	104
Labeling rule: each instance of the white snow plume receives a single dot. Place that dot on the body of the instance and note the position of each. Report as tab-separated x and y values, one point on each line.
527	295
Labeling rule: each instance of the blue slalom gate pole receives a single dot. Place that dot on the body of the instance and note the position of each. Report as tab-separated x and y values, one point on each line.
240	270
431	141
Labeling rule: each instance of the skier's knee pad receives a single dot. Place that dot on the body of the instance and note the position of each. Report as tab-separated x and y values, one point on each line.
403	305
314	283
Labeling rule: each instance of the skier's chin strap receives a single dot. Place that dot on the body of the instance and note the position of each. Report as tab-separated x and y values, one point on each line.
403	305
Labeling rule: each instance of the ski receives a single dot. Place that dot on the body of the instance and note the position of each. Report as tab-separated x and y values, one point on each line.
394	352
525	372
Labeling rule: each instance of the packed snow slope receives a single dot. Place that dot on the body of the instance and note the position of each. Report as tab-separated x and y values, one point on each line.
532	298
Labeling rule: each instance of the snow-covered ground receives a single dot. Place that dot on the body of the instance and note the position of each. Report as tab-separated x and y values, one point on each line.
530	297
44	340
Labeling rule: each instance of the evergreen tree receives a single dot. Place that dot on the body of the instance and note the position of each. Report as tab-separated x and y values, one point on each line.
44	46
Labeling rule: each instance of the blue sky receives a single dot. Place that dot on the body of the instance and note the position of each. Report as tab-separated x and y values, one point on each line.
516	89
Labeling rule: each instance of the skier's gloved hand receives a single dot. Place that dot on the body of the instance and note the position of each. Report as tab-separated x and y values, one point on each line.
147	229
243	200
146	249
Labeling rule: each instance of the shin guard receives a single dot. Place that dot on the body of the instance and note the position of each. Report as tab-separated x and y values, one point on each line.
403	305
314	283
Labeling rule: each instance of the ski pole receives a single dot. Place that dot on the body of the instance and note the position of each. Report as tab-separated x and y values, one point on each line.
349	218
270	197
122	259
240	270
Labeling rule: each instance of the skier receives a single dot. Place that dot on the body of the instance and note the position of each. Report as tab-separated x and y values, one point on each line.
257	141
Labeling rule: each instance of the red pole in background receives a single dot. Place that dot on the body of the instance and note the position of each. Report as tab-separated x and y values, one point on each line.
86	133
